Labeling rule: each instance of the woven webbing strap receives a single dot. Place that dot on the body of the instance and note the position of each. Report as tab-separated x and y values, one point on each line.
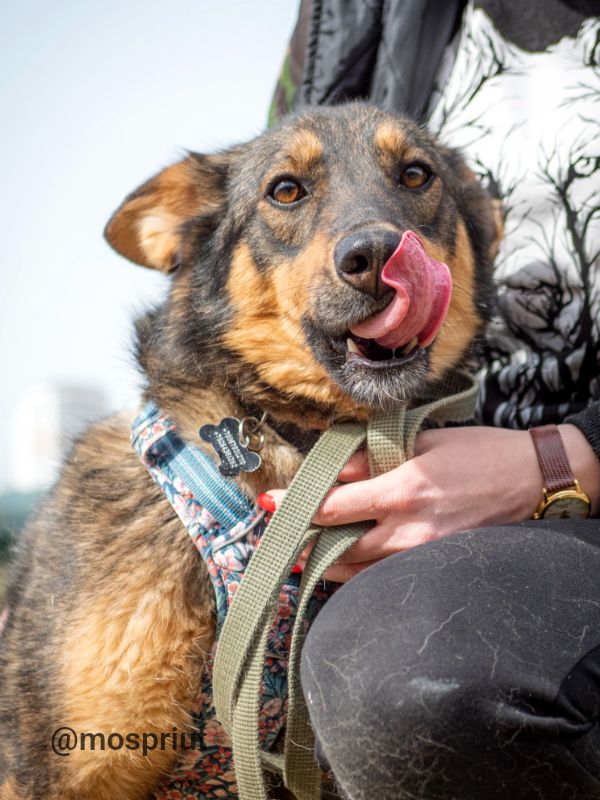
241	649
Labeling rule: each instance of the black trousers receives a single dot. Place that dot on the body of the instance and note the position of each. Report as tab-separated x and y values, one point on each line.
464	669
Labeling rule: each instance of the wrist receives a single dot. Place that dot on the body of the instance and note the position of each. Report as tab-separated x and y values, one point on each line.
584	463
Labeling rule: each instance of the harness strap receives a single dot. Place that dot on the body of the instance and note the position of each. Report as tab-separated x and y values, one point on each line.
156	441
242	644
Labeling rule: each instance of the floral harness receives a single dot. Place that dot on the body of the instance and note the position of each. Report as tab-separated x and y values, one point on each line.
226	527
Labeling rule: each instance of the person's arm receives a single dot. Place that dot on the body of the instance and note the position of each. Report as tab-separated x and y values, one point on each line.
388	52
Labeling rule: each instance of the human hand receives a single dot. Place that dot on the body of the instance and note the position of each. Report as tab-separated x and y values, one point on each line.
459	478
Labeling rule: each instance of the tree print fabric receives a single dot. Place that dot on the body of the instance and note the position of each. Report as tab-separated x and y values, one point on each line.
527	117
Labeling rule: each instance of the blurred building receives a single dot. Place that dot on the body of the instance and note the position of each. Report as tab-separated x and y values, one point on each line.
44	425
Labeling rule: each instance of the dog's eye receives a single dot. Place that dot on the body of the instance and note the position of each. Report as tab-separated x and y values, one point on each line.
414	176
287	191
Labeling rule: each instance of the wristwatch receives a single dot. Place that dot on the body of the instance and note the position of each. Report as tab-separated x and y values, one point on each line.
563	497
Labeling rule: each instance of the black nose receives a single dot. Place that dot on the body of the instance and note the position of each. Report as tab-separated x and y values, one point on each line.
359	259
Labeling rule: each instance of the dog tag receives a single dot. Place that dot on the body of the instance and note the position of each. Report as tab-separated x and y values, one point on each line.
235	458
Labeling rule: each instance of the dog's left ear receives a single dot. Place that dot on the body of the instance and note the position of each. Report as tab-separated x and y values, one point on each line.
481	208
147	226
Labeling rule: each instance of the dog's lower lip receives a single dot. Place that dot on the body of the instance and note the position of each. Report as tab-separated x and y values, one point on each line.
355	356
390	363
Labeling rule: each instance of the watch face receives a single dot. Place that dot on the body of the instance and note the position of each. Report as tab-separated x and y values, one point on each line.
566	506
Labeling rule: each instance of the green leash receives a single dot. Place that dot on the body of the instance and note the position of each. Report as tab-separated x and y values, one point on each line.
241	650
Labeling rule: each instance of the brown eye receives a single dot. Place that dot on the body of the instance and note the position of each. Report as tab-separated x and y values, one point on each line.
287	192
414	176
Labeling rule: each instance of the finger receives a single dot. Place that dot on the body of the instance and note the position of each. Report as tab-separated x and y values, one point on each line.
353	502
303	558
390	537
357	469
271	499
305	554
342	573
343	505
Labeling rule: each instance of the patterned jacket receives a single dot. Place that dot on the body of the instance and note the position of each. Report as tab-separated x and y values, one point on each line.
472	71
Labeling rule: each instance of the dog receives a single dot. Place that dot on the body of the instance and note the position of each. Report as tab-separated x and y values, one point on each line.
279	303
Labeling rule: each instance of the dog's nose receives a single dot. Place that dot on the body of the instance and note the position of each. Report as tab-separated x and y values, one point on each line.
360	257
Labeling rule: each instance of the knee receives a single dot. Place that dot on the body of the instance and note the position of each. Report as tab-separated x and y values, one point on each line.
426	667
411	733
392	671
396	690
400	640
360	688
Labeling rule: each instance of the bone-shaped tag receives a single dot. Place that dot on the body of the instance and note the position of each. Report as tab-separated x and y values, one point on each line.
224	437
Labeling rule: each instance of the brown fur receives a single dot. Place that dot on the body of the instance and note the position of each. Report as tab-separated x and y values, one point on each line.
147	232
111	608
133	622
276	303
304	151
389	138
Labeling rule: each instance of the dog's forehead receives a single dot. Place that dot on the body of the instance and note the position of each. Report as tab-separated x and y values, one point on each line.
348	135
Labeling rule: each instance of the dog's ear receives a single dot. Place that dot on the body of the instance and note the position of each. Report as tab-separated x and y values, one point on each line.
146	228
481	208
498	219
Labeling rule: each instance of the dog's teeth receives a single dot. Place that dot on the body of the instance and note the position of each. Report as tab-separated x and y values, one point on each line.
411	345
352	346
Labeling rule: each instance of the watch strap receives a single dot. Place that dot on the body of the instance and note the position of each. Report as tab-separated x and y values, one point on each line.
552	458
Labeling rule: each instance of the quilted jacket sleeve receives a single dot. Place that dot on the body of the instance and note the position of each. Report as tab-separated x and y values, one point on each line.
388	52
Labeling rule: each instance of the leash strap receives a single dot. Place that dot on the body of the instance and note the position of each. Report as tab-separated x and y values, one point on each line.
286	536
242	644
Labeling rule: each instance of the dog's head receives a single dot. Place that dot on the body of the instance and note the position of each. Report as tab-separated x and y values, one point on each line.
340	261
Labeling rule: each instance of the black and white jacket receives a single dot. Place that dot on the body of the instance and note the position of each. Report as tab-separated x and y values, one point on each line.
515	86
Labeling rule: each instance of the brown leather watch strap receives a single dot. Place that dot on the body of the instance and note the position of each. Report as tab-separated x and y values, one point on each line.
552	458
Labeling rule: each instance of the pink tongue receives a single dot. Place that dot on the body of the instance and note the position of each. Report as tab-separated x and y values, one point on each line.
423	290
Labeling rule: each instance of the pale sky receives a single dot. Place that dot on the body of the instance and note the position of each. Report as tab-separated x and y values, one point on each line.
95	97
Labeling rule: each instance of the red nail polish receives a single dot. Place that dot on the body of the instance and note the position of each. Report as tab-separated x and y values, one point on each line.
296	569
265	501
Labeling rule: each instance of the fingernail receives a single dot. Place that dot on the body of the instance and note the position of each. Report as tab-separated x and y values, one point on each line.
296	569
265	501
